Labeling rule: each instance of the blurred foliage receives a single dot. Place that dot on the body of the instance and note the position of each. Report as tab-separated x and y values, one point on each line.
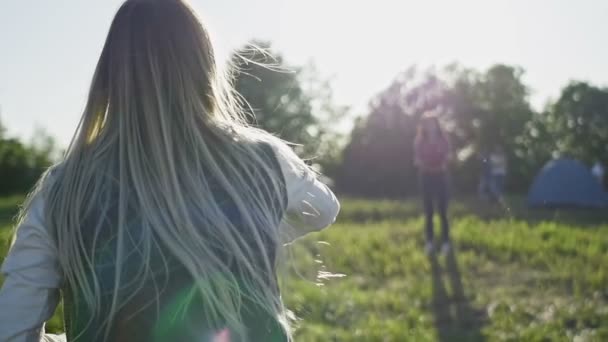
574	126
291	102
480	111
578	122
22	164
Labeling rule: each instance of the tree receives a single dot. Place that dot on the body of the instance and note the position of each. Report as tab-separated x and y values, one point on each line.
479	111
20	164
16	174
504	108
43	150
288	101
504	112
577	123
378	158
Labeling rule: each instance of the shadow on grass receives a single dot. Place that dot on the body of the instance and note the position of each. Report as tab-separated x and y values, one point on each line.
455	319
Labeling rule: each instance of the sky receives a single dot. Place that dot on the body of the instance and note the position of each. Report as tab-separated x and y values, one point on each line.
48	49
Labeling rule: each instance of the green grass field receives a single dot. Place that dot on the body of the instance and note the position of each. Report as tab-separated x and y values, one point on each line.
515	275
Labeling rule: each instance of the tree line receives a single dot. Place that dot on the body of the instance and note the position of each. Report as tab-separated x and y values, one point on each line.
480	110
22	163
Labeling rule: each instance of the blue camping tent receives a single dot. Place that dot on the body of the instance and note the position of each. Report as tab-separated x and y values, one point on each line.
566	182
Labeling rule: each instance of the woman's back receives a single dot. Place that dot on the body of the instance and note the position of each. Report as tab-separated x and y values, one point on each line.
167	301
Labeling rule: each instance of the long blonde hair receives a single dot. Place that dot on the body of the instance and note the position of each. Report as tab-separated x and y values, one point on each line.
160	125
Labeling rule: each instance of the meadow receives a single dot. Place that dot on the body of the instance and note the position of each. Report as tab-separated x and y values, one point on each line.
514	275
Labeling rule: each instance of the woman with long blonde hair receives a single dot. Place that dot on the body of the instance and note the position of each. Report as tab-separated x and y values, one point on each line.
164	219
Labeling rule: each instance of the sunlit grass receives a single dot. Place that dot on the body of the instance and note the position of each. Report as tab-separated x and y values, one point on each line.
515	275
506	280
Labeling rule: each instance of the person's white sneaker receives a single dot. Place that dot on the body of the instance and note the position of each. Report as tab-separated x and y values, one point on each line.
446	247
429	248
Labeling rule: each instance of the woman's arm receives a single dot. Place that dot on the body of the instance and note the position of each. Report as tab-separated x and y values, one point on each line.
30	292
311	205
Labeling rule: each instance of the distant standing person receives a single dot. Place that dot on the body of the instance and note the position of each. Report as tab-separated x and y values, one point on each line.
598	172
431	151
498	167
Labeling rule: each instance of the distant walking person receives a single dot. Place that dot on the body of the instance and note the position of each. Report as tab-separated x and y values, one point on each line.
431	151
485	179
498	169
598	172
